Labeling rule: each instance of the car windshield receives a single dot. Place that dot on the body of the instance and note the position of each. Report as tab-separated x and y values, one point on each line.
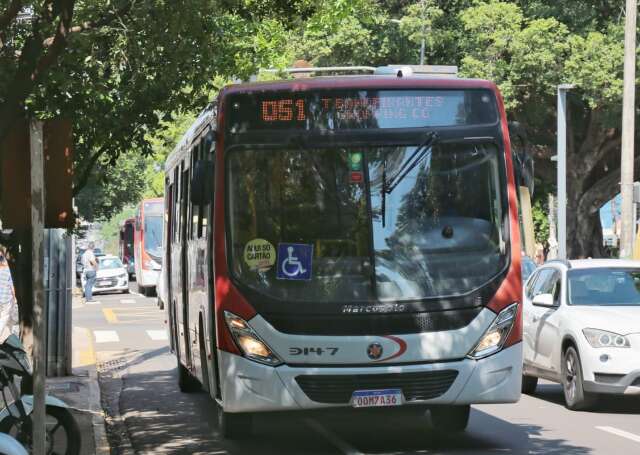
109	263
604	287
316	225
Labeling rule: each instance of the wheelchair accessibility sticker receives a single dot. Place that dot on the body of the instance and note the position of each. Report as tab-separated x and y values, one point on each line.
294	261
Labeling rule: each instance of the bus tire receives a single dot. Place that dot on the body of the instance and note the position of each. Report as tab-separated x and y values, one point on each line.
204	365
234	425
529	384
186	382
450	419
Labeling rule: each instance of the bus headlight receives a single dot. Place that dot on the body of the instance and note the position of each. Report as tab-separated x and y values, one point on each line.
249	342
497	333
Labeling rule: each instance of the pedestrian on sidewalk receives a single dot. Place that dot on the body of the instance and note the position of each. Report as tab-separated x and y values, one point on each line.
90	267
9	316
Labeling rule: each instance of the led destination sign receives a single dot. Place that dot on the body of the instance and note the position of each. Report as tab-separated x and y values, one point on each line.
335	110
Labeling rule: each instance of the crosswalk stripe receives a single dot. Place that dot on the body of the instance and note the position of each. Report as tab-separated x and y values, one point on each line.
127	301
157	335
106	336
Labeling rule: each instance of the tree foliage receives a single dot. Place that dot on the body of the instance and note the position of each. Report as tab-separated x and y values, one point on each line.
120	68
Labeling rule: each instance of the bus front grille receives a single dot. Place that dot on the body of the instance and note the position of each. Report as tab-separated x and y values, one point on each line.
337	389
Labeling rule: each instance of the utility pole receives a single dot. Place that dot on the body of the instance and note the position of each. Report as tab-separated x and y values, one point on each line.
628	130
37	256
562	170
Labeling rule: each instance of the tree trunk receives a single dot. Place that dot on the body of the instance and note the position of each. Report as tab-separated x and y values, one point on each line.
20	246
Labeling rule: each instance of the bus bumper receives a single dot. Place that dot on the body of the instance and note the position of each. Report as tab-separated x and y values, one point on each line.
147	278
252	387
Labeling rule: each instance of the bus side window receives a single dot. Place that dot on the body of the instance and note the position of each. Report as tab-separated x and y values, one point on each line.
203	209
169	212
176	205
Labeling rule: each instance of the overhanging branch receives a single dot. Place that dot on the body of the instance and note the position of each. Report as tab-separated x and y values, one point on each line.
86	172
10	13
105	20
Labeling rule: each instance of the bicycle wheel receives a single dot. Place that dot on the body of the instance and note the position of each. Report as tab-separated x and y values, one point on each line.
62	437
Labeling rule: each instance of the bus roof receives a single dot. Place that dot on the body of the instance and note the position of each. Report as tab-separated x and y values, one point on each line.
357	82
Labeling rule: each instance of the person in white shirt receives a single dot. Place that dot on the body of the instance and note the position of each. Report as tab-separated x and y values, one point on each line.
90	266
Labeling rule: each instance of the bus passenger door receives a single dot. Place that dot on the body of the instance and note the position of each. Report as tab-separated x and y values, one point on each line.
168	255
184	274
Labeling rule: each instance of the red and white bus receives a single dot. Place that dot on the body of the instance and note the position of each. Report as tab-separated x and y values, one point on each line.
346	241
125	247
148	248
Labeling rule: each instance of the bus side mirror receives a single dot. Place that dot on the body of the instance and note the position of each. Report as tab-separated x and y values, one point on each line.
202	182
522	160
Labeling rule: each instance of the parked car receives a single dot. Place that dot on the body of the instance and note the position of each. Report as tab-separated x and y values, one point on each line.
582	329
111	276
79	266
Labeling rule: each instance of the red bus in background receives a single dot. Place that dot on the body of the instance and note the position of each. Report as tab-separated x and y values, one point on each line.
125	250
147	243
346	242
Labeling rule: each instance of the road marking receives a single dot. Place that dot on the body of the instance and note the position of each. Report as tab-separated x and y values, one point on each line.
110	315
345	447
621	433
127	301
157	335
95	302
106	336
88	355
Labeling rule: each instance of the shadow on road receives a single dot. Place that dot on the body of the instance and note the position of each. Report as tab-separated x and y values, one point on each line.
486	434
161	419
607	404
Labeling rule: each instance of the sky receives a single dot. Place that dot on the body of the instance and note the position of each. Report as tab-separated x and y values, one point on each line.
606	215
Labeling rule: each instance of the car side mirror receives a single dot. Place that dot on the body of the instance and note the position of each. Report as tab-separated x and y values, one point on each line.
202	182
545	300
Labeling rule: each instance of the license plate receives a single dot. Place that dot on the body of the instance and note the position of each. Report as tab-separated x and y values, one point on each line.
376	398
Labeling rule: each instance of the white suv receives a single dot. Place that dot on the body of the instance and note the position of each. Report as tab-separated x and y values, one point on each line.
582	328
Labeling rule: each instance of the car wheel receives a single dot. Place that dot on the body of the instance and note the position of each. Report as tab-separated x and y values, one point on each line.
234	425
450	419
572	382
529	384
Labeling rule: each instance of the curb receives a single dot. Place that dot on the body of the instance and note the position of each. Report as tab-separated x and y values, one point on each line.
98	421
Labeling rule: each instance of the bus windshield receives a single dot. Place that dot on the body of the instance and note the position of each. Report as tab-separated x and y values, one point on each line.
316	225
153	237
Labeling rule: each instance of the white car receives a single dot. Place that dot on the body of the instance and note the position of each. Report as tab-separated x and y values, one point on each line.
112	275
582	328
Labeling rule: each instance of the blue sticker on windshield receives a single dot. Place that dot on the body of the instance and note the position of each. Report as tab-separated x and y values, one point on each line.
294	261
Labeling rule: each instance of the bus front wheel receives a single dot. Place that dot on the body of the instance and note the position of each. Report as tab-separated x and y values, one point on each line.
450	419
186	382
234	425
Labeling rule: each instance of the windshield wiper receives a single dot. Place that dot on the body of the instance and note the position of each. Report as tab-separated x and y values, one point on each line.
419	154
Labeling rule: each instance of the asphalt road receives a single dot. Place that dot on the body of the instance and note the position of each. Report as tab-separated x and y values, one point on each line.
150	415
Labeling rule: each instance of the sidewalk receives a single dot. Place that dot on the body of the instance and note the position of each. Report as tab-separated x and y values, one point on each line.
82	392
